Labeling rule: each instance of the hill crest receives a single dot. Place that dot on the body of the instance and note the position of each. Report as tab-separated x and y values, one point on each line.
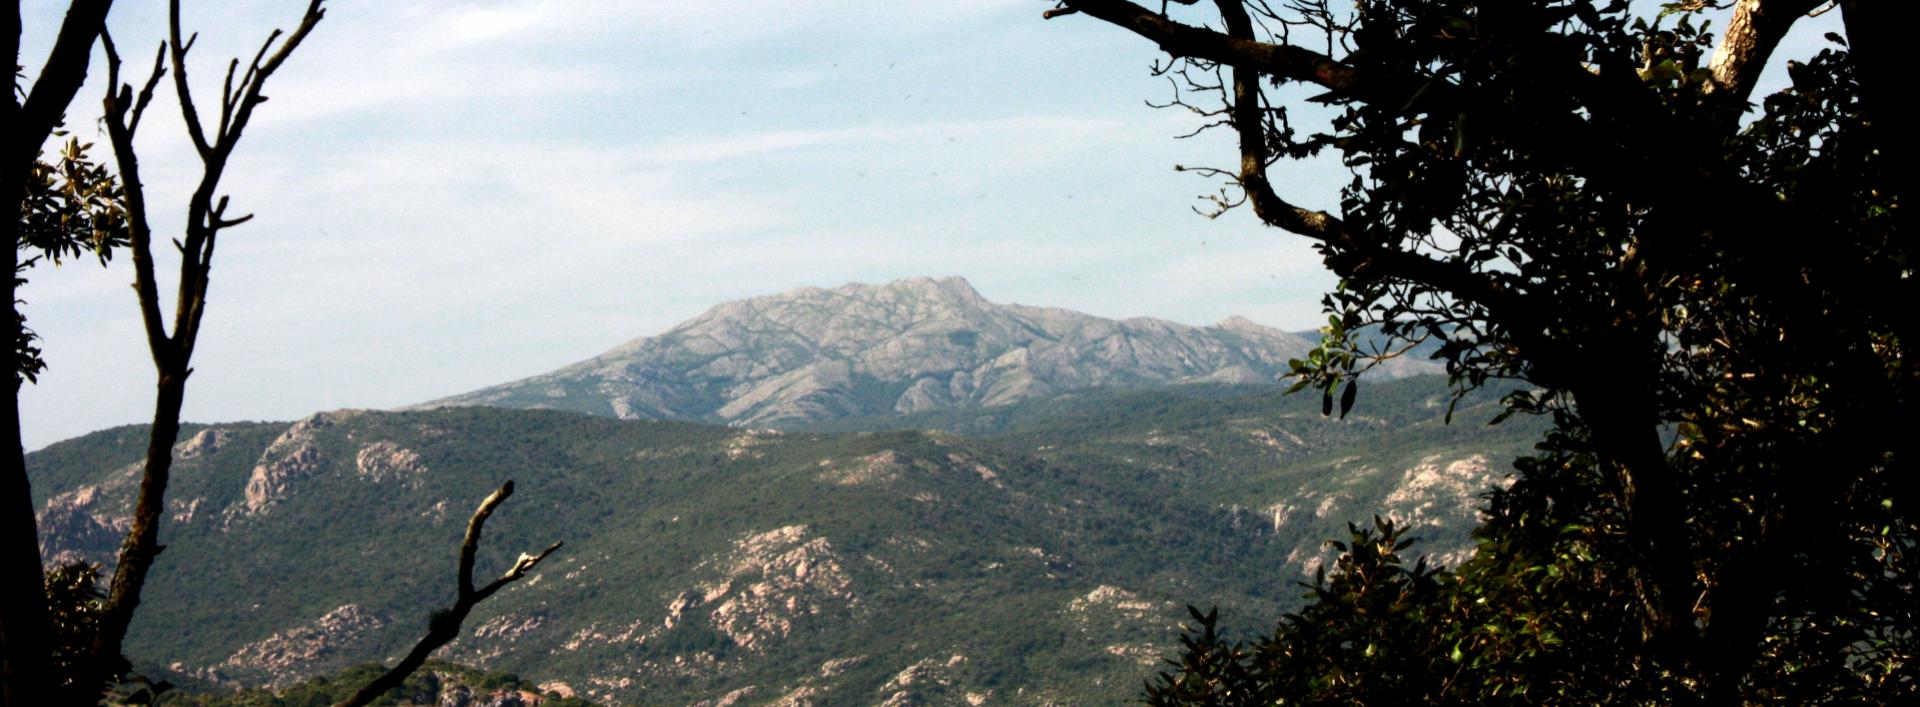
907	346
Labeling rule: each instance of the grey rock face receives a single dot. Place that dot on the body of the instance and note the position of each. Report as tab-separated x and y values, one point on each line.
907	346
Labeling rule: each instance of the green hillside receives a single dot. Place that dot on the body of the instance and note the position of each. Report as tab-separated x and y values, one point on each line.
1047	558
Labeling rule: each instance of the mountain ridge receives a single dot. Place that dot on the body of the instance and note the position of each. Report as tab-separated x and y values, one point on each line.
911	345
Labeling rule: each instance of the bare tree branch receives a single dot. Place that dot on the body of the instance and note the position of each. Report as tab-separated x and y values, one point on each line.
1377	259
444	626
1282	60
172	351
122	113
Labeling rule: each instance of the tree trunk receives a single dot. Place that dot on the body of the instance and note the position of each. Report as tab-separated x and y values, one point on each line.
23	598
24	644
1756	28
1624	424
141	546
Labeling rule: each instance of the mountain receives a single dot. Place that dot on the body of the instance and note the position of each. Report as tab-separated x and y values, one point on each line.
906	347
1046	556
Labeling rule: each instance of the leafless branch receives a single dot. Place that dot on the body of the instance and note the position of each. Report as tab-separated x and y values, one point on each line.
444	626
1282	60
173	351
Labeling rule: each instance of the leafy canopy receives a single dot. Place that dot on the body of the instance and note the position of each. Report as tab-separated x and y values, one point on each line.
1711	308
72	207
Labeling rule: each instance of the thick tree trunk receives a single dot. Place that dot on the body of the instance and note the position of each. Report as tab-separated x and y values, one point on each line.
1626	438
23	598
1751	35
24	643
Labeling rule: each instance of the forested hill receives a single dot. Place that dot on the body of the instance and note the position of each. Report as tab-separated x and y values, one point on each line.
905	347
1049	558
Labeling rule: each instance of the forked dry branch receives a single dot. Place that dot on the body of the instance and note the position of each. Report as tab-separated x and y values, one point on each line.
444	626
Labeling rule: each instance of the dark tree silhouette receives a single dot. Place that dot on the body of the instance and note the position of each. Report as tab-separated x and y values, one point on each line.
72	206
24	638
1715	312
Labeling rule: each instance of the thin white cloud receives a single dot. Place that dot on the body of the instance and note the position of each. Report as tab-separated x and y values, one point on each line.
1031	132
467	25
450	194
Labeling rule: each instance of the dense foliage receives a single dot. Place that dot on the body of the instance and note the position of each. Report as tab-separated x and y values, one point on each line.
71	207
73	612
1711	309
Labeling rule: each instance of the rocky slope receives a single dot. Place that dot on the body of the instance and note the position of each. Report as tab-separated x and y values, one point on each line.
904	347
1049	562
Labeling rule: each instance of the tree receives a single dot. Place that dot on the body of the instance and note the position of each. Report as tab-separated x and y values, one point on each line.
72	653
75	206
1714	312
207	216
31	116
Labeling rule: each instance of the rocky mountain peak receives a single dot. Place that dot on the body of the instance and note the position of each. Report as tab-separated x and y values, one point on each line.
1243	324
902	347
953	289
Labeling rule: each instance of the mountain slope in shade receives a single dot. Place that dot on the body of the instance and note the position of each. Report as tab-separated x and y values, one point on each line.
905	347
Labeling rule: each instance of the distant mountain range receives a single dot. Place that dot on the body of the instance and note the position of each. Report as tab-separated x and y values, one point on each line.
963	502
905	347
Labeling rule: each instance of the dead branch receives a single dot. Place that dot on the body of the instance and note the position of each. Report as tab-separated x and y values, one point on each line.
172	351
444	626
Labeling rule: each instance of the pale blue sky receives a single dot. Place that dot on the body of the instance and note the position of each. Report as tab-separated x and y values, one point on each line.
455	194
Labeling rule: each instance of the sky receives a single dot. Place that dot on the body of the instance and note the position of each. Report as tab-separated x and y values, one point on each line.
453	194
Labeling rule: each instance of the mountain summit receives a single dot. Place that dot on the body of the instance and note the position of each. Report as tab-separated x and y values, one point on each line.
906	346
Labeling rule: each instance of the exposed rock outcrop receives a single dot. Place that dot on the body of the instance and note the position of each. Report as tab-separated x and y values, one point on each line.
929	681
290	458
77	526
202	443
271	480
385	461
1436	492
773	579
87	523
289	655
